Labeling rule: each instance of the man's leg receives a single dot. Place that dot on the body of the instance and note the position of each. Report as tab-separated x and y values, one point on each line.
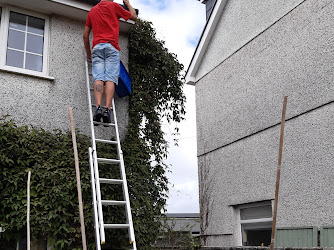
111	77
109	93
98	92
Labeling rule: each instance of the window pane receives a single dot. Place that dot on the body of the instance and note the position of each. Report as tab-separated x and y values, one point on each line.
35	44
17	21
34	62
256	234
36	25
16	39
14	58
256	212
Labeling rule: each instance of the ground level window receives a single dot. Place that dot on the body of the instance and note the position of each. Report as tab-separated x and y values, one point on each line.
256	234
256	223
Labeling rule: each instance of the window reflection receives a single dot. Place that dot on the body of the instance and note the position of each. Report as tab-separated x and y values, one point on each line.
14	58
36	25
16	39
34	44
17	21
34	62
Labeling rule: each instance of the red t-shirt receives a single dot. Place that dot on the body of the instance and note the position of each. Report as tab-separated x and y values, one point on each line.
103	18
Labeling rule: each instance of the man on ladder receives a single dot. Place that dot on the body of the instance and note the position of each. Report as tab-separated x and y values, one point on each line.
103	19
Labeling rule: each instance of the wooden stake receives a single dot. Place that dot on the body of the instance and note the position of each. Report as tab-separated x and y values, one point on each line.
28	211
83	234
278	176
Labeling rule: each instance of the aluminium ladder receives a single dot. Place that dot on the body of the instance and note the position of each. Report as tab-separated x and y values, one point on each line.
94	161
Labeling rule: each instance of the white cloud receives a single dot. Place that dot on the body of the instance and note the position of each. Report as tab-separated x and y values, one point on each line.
179	23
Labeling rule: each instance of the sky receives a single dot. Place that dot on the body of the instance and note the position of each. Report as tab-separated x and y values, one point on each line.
180	24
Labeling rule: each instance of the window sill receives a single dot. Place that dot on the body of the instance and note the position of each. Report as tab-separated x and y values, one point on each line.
26	73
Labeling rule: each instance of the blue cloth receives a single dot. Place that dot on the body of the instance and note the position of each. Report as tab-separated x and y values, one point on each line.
105	63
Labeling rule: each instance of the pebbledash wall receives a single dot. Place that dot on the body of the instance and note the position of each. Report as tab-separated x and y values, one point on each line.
259	52
40	102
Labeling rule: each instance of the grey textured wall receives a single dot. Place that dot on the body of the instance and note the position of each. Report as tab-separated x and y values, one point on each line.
239	105
44	103
241	21
245	172
244	94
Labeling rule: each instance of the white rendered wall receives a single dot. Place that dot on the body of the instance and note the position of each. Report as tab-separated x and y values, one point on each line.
44	103
239	107
241	21
244	94
245	172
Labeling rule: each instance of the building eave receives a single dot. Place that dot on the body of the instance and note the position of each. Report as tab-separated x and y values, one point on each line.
203	43
74	9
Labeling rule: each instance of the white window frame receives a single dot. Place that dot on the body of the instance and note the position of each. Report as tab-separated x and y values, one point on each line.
240	222
4	28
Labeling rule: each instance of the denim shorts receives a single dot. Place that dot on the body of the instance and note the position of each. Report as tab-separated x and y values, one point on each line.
105	63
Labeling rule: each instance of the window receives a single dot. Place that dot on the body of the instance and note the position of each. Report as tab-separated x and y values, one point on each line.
255	223
24	42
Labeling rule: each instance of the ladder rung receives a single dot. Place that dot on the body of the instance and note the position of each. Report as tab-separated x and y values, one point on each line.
116	226
106	141
110	161
104	124
113	203
111	181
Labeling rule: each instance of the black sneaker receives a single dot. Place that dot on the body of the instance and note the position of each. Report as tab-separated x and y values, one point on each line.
106	116
98	114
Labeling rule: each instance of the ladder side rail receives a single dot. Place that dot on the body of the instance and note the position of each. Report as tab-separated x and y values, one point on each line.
96	171
99	200
128	207
96	218
125	185
90	108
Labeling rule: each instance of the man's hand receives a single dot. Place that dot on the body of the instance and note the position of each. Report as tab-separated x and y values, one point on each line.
89	59
133	12
126	2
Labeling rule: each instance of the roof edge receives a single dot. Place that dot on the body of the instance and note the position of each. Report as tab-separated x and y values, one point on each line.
75	4
204	41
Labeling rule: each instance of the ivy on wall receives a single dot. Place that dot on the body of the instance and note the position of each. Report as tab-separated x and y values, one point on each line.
156	94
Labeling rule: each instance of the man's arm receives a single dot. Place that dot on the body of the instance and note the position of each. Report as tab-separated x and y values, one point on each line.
132	10
86	43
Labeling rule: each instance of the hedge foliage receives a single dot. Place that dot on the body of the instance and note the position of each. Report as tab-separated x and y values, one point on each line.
54	202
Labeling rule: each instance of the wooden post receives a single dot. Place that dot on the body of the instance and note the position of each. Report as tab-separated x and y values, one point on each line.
278	176
28	211
83	234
